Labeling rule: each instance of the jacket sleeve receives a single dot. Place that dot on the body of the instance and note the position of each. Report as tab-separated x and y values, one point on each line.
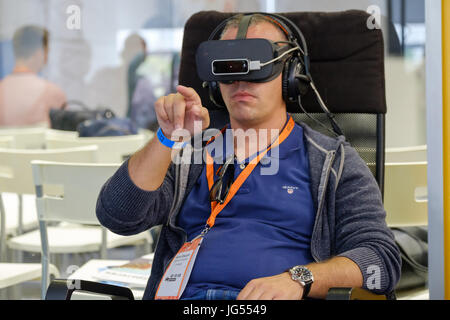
125	209
361	231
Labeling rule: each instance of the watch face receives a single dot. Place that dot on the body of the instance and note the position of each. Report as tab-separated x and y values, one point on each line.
302	274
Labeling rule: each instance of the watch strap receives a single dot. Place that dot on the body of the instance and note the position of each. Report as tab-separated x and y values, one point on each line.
306	289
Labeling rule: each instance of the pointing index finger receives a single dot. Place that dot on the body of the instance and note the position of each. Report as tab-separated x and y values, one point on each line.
189	94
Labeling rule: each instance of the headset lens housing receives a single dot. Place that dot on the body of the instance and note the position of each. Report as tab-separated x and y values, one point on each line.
230	67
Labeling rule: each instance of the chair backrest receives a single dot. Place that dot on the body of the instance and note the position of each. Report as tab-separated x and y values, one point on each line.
148	134
15	167
347	65
110	149
26	138
407	154
60	133
79	185
6	141
405	197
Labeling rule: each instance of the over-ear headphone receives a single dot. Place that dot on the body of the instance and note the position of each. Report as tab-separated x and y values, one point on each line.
295	74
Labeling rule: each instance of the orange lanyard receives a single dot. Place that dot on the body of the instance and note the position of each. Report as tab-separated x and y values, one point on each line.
216	207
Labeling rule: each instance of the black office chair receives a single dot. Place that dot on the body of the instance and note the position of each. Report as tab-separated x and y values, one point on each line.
347	65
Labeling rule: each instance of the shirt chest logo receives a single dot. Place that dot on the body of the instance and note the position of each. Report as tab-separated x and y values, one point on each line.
290	189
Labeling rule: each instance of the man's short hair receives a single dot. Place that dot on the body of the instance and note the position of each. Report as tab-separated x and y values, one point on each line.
256	19
28	39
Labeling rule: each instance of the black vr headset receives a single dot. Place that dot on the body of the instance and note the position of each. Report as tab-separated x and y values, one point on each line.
259	60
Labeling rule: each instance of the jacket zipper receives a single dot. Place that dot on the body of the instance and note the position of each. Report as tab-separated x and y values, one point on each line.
331	155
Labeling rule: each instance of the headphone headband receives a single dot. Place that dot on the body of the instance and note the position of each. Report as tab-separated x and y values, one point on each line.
281	22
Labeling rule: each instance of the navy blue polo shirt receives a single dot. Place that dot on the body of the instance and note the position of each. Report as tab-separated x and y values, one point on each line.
265	229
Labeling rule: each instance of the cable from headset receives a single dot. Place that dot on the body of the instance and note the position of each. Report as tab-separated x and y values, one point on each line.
257	65
324	108
279	57
336	129
293	44
314	119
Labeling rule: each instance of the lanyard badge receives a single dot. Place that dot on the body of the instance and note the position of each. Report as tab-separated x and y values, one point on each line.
175	278
177	274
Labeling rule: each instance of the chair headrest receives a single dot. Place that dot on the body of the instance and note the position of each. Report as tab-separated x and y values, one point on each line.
347	58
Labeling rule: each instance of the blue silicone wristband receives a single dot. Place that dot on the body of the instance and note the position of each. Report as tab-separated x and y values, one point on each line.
167	142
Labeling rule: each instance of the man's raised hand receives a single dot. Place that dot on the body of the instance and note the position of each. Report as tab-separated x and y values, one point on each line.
180	111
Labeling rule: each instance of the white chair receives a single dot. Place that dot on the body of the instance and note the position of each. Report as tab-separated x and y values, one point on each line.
405	194
111	149
147	133
6	141
49	133
406	204
26	138
15	273
43	124
75	205
16	177
15	168
406	154
26	204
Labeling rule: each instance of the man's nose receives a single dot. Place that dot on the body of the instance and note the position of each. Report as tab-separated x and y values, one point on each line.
242	84
235	82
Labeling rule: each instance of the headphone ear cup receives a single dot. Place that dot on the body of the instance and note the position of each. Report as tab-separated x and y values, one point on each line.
297	82
303	80
285	81
293	86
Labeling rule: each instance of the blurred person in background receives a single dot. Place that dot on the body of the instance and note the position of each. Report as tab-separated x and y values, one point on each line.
109	86
25	97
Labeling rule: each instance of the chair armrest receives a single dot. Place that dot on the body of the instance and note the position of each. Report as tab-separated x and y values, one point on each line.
62	289
356	294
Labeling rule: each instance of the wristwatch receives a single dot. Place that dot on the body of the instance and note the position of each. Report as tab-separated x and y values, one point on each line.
304	276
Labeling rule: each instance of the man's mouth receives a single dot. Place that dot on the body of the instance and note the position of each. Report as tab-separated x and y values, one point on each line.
242	96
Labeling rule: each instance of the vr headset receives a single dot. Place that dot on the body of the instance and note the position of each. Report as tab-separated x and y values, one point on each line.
256	60
259	60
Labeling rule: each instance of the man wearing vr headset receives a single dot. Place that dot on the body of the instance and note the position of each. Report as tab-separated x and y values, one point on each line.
318	223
